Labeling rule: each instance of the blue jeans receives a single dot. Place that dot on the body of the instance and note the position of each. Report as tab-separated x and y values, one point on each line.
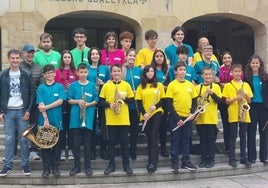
180	140
12	122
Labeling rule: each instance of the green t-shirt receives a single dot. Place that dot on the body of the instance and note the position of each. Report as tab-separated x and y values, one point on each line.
43	59
80	56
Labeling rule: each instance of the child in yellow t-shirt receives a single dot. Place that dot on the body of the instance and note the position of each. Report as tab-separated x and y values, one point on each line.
206	122
238	95
115	96
181	100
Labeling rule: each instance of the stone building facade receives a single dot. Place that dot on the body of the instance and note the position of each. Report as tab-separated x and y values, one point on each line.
236	25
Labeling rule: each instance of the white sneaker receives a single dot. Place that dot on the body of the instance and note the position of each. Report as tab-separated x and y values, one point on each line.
70	155
62	155
34	156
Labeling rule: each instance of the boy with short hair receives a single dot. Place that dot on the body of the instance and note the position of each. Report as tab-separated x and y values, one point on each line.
50	96
83	97
181	100
237	94
126	39
209	94
115	96
145	55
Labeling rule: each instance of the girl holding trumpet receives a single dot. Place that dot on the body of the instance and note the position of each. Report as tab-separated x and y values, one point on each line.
207	121
150	95
237	94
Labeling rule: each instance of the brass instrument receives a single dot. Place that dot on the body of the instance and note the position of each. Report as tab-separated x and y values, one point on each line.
83	109
118	102
203	99
156	92
45	138
243	106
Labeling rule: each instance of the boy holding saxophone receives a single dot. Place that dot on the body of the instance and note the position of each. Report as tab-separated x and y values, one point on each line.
207	121
238	95
115	96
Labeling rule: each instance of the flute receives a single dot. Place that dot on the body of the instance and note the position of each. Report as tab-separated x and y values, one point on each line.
198	110
150	110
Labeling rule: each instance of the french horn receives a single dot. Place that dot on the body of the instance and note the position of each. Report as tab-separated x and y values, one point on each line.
45	138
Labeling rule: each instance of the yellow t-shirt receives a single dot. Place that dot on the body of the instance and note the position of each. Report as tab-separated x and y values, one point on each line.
182	94
210	116
229	92
108	93
144	56
197	58
150	96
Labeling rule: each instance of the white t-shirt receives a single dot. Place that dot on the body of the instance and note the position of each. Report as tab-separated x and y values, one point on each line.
15	100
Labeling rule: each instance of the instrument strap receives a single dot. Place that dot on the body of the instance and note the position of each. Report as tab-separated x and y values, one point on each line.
235	87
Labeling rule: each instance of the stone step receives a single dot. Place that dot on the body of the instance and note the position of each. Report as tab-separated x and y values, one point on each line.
139	175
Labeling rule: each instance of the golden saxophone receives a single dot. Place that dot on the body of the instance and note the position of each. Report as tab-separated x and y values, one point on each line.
45	138
118	102
243	106
83	110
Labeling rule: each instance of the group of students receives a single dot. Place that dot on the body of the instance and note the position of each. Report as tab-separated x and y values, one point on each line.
115	89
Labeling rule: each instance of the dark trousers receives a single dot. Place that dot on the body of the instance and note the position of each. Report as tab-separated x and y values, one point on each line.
226	127
133	136
180	140
65	133
163	131
118	134
81	136
51	157
258	116
152	130
243	139
208	135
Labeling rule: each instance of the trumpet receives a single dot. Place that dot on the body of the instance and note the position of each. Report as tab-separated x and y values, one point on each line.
83	110
243	106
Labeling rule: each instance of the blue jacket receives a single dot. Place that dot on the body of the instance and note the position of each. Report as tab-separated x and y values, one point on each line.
27	90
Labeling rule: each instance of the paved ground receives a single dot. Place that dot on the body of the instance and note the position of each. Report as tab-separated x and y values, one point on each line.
257	180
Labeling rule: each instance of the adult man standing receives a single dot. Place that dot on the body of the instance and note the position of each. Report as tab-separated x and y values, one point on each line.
36	71
203	41
16	102
46	55
80	53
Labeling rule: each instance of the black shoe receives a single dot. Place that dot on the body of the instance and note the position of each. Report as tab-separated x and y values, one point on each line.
164	152
203	163
88	172
210	163
74	171
174	167
188	165
45	173
245	162
265	162
109	169
226	152
151	168
232	162
128	170
56	172
252	161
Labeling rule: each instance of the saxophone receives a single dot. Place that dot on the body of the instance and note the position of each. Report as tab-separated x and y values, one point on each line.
243	106
83	110
118	102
